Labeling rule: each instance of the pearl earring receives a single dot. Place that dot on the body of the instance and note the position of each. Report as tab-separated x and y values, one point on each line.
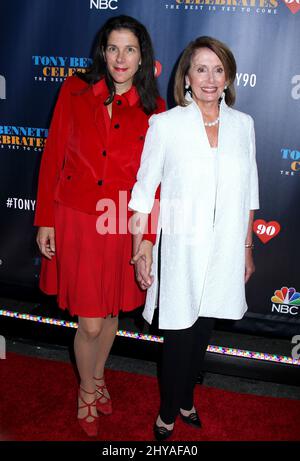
223	94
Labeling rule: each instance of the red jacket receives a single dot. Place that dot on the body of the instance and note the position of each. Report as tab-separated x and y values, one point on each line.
87	157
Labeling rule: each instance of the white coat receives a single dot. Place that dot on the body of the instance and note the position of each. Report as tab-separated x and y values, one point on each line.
204	213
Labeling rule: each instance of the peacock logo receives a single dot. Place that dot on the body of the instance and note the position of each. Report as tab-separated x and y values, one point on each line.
286	301
286	296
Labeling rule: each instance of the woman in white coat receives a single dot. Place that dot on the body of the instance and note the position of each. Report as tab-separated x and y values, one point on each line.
202	153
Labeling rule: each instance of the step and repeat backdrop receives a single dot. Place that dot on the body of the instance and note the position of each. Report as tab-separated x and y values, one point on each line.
44	41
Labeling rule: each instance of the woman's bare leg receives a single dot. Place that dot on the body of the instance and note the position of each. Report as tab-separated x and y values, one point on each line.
86	346
105	342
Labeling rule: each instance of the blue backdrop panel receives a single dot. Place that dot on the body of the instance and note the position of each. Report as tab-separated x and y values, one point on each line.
44	41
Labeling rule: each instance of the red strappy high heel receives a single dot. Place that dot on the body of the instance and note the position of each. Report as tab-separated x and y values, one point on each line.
103	407
89	427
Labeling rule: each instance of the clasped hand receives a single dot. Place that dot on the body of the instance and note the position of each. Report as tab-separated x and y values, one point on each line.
142	261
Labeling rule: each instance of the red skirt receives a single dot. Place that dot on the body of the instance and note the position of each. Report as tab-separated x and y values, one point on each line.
90	273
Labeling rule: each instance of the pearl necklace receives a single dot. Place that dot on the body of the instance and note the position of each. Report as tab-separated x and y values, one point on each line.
215	122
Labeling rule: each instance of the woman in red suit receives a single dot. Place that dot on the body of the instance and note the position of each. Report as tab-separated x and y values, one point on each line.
89	166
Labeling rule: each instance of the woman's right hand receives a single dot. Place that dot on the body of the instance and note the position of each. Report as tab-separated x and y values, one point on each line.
143	262
46	241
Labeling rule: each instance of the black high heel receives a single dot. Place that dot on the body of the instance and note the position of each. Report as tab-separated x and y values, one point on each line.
192	419
161	432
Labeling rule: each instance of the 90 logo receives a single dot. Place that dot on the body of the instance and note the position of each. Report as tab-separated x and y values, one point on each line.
266	231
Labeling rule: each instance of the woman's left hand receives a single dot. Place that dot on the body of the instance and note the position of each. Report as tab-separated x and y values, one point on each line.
249	264
143	262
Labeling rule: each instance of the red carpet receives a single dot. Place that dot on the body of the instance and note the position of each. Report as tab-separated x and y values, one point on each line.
38	402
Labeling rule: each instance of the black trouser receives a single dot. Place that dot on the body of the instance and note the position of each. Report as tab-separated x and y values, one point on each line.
183	356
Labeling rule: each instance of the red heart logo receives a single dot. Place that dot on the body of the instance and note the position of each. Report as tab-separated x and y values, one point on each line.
265	231
293	5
